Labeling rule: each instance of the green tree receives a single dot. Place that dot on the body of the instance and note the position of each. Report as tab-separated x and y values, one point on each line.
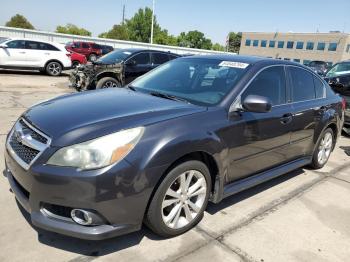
194	39
71	29
234	42
19	21
117	32
218	47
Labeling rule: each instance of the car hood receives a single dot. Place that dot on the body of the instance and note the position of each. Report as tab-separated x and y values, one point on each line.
83	116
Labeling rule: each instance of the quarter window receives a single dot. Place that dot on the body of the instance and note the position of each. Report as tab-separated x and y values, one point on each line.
248	42
290	44
302	83
16	44
319	87
85	45
332	47
269	83
321	46
272	43
300	45
280	44
310	46
306	62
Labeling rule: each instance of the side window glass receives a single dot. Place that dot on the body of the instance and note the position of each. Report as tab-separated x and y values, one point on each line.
159	58
32	45
16	44
270	83
142	59
319	88
302	84
85	45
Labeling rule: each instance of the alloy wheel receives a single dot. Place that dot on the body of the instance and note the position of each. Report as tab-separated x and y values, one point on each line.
184	199
325	148
54	68
110	84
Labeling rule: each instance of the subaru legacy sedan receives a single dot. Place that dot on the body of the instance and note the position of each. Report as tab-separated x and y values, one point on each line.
99	164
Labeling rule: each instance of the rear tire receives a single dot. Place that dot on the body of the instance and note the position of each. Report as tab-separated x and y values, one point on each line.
180	200
107	82
92	57
323	149
53	68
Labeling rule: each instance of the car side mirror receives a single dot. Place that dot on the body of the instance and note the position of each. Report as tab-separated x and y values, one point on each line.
257	104
130	63
3	46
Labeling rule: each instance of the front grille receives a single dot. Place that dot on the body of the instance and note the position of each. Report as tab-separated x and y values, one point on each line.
20	187
25	153
34	135
26	143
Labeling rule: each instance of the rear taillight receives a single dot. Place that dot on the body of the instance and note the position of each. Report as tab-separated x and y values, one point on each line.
343	104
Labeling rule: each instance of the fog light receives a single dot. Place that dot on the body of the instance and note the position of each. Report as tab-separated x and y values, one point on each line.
81	217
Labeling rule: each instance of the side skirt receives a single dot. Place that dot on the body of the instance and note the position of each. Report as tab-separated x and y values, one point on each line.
243	184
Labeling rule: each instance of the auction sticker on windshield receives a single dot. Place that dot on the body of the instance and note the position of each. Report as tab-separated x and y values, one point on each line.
234	64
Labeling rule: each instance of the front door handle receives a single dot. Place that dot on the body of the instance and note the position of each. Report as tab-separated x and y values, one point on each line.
22	52
286	118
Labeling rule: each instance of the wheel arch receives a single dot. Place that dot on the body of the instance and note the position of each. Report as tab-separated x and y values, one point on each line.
53	60
101	75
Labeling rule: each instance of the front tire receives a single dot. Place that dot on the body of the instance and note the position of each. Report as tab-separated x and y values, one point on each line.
323	149
53	68
180	200
107	82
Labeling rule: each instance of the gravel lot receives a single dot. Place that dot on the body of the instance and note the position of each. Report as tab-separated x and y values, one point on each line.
301	216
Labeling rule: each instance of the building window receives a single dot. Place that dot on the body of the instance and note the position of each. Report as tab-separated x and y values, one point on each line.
280	44
300	45
296	60
332	47
310	46
247	42
321	46
287	59
348	48
256	43
290	44
272	43
329	64
263	43
306	62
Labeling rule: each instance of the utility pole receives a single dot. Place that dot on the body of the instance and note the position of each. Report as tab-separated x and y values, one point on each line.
123	20
152	21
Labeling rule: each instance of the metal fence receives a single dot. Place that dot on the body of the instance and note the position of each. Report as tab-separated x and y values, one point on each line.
63	38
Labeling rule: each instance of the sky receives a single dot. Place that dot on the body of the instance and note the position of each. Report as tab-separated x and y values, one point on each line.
215	18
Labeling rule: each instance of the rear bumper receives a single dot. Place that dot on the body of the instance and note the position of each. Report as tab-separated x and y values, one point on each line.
121	208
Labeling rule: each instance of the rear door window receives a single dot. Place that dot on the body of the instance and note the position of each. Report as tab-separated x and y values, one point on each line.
85	45
142	59
270	83
159	58
302	83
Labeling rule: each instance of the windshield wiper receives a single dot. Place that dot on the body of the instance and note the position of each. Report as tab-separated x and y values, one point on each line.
167	96
131	87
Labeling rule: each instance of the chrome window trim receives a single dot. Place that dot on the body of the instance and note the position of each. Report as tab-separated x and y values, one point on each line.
23	164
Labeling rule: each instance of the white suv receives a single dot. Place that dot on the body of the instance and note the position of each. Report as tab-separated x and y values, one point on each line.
47	57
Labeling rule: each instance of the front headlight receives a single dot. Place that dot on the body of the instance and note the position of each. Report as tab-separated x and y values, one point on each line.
99	152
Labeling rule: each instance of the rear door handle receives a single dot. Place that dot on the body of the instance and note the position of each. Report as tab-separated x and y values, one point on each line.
286	118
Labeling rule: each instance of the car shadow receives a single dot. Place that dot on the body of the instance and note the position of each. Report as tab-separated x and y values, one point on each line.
29	72
346	149
108	246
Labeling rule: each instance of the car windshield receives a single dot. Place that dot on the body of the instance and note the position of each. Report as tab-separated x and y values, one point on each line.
200	81
114	57
339	69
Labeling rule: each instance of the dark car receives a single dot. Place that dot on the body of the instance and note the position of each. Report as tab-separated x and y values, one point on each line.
90	50
98	164
118	68
338	77
106	49
319	67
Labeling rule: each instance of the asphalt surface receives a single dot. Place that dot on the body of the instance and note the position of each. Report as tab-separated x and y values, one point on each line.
301	216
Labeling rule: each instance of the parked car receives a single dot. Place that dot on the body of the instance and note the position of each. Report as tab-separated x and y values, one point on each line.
77	59
338	77
118	68
97	164
47	57
319	67
90	50
106	49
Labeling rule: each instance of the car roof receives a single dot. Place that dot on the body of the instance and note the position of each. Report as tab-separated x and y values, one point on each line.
136	50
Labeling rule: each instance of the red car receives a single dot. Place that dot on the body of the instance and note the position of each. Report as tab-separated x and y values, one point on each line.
77	59
90	50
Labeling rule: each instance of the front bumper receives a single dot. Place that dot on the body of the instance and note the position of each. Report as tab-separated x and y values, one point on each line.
110	192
